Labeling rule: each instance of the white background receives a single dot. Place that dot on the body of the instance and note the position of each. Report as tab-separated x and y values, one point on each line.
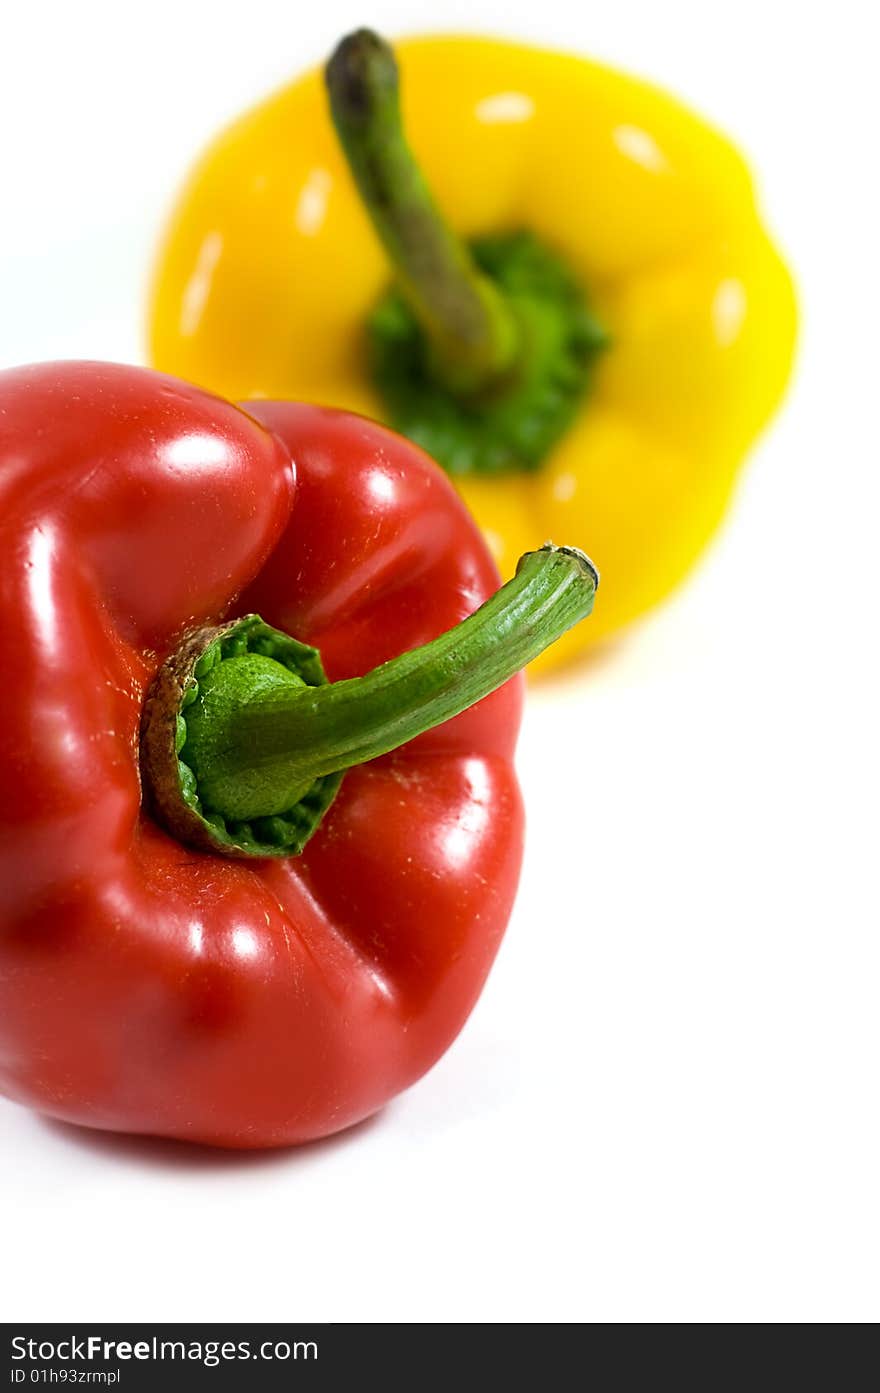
665	1106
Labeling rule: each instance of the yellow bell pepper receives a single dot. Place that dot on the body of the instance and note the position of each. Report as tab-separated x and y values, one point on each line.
676	318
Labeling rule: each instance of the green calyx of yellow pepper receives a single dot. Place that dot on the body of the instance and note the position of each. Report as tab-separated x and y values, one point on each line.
481	352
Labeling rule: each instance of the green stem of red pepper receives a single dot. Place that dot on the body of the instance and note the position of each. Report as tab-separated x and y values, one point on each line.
260	744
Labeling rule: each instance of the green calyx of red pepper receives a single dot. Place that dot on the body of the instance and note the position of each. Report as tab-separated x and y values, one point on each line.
187	702
482	353
245	742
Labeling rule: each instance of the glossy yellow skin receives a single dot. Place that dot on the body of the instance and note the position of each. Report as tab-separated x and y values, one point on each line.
270	268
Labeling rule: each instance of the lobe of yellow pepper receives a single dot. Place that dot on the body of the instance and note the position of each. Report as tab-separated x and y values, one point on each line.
270	268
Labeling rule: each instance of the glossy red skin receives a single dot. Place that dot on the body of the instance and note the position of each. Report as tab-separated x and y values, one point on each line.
144	986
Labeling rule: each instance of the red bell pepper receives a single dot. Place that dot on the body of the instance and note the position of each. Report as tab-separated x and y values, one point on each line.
243	994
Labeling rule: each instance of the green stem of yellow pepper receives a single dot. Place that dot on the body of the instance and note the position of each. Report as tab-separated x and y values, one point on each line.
474	337
481	353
